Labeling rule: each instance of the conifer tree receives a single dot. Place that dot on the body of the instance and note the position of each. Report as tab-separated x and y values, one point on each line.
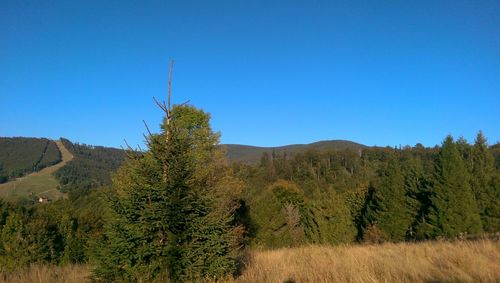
172	209
281	214
417	191
485	184
388	206
452	209
333	218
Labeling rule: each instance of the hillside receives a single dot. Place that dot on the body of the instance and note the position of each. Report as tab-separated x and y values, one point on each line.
41	184
252	154
32	167
91	167
20	156
318	196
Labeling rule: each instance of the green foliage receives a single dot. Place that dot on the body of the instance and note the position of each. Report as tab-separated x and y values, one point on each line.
333	218
29	236
20	156
393	193
283	216
174	212
417	184
56	233
452	210
51	156
279	215
90	168
485	184
388	206
173	208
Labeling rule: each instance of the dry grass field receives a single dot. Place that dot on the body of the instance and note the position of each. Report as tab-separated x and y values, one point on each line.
48	274
476	261
461	261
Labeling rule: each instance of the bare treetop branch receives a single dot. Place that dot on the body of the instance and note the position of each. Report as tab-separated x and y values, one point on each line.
170	85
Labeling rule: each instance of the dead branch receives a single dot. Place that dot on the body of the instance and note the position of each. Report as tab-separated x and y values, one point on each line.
162	106
128	146
170	83
182	104
147	128
127	153
147	139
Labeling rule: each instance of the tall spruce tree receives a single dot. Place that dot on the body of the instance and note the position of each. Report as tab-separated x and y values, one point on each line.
172	208
417	191
388	207
485	184
452	209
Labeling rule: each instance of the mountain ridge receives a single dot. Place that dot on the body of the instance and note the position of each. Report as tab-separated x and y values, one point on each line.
252	154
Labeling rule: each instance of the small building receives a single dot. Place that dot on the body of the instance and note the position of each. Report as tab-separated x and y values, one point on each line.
42	199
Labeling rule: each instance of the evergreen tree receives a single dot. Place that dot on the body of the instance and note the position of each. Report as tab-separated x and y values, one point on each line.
281	215
388	206
452	209
173	208
29	236
333	218
417	191
485	184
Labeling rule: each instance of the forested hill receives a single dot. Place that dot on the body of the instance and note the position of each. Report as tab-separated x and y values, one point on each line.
91	167
20	156
253	154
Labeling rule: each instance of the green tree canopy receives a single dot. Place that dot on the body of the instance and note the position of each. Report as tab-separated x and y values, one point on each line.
173	208
452	209
388	206
485	184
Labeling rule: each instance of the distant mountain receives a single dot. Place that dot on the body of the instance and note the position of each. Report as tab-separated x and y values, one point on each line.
92	165
252	154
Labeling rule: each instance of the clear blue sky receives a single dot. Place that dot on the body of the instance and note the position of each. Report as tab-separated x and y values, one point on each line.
269	72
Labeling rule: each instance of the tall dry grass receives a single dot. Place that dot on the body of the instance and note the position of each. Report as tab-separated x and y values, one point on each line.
461	261
465	261
47	274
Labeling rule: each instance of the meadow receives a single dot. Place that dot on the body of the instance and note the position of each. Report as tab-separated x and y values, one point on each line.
463	261
433	261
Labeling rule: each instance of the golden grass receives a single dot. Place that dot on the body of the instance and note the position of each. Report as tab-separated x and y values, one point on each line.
461	261
48	274
477	261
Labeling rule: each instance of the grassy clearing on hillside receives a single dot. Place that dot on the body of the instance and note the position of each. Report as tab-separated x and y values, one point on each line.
40	183
465	261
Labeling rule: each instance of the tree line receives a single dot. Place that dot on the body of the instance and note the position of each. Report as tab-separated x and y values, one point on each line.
374	194
178	211
90	168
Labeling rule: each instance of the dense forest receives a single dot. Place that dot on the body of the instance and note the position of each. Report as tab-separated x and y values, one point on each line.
374	194
62	231
20	156
351	195
91	167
